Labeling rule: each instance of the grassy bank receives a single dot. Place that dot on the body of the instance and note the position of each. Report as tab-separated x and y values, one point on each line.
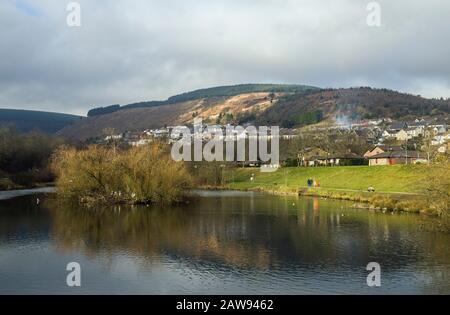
397	187
389	179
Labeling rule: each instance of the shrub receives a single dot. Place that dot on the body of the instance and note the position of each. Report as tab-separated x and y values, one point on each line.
138	175
438	187
7	184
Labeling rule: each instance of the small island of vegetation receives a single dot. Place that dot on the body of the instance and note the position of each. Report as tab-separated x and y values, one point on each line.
99	174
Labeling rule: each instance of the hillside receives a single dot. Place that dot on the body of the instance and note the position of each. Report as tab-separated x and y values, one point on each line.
212	110
353	104
219	91
27	120
283	107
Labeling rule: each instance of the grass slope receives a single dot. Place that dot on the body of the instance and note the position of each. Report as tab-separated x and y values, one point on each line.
387	179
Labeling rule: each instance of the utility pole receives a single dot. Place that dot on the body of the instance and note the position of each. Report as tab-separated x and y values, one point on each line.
285	178
406	148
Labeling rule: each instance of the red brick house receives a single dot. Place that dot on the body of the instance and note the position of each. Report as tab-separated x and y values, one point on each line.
397	157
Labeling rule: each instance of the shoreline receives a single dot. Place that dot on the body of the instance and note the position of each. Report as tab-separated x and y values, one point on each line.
381	201
21	187
398	188
369	201
10	194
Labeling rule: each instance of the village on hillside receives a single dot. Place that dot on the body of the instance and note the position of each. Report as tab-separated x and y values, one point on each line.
382	141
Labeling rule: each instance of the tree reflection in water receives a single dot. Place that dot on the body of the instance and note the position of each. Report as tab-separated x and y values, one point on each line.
249	232
299	241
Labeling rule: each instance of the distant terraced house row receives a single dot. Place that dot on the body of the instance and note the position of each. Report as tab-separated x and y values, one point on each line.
138	138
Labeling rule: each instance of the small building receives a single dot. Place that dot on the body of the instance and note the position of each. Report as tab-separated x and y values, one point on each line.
398	157
140	142
414	132
113	137
346	159
389	134
309	156
444	148
381	149
398	125
402	135
438	126
439	139
374	151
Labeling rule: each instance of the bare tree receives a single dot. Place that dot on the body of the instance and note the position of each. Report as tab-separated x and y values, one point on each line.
427	143
110	137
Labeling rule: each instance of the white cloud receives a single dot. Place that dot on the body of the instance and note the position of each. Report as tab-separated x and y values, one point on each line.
127	51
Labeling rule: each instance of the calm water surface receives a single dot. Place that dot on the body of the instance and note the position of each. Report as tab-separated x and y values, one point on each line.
223	243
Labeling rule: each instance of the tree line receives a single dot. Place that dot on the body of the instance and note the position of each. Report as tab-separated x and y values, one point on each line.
24	157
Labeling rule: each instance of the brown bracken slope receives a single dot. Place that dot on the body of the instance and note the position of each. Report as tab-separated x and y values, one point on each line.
262	108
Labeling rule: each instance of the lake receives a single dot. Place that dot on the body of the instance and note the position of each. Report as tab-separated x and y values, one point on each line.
221	243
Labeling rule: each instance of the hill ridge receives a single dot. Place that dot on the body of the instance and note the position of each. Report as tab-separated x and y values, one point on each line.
266	108
215	91
28	120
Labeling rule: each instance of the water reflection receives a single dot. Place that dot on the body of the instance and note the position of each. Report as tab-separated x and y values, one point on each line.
279	244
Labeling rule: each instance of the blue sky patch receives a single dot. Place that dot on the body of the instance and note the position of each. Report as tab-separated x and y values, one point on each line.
27	8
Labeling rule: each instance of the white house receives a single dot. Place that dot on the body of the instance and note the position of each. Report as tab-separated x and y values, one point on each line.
438	126
140	142
415	131
388	135
113	137
402	135
439	139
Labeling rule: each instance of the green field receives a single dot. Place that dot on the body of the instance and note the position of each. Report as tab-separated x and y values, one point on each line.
398	179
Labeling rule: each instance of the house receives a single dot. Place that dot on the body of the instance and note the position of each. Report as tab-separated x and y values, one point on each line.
414	132
419	125
389	134
309	156
376	150
402	135
438	139
160	133
381	149
140	142
403	131
114	137
438	126
398	157
442	149
333	160
346	159
398	125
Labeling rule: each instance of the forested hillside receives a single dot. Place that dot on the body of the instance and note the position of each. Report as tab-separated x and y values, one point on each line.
220	91
28	120
290	106
353	103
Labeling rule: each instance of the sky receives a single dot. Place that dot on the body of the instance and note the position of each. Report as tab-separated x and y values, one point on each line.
131	51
